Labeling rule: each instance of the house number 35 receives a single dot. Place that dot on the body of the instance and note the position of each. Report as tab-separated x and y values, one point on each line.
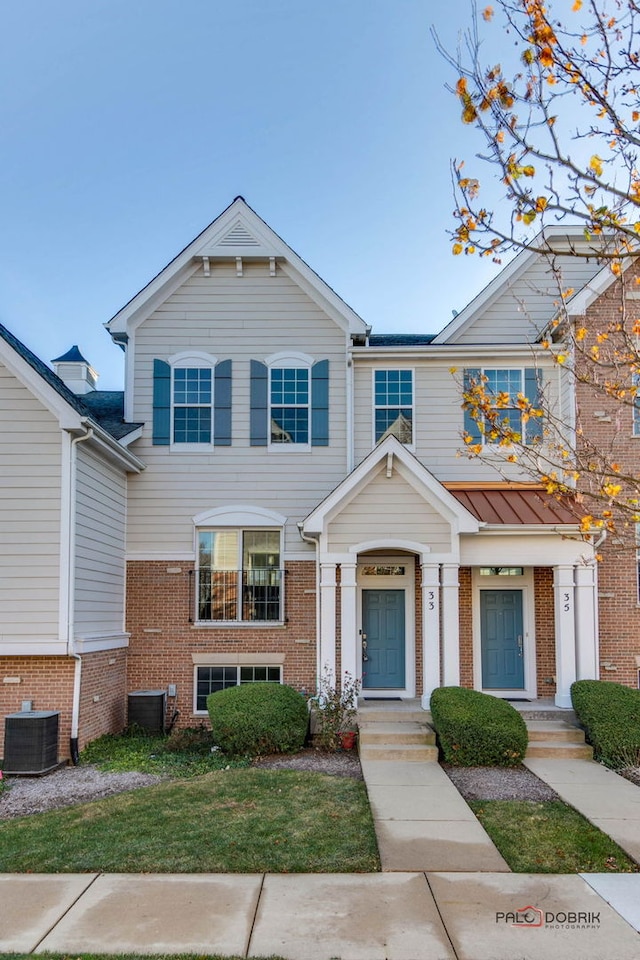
567	604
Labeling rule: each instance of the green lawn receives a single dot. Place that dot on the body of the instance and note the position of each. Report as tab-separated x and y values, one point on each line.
233	821
549	837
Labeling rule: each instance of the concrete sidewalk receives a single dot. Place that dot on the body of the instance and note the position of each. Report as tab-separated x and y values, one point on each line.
389	916
422	822
609	801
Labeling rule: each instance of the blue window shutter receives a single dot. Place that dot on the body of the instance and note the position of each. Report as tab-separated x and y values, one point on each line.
259	404
161	403
320	404
471	426
533	393
222	404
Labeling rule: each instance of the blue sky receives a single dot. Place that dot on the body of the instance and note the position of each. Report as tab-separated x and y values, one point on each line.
128	125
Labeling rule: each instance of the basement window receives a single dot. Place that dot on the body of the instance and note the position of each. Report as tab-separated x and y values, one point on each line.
212	679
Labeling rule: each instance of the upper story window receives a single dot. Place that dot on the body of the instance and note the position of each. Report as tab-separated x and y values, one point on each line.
289	402
289	395
636	405
192	405
393	404
192	401
505	388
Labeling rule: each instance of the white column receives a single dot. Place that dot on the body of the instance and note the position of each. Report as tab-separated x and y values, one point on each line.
348	620
450	625
430	630
327	663
586	577
565	621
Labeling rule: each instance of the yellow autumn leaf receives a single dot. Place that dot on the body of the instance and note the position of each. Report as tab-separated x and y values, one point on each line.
487	13
595	164
576	6
456	249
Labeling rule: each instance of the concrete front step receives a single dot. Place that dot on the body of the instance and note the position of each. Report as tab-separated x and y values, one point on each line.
395	714
558	750
412	752
554	730
396	733
556	739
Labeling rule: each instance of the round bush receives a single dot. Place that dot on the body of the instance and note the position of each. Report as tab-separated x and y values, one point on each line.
258	718
477	730
610	715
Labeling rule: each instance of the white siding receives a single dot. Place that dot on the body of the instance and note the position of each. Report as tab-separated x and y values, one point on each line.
100	545
522	308
237	318
30	477
389	508
438	414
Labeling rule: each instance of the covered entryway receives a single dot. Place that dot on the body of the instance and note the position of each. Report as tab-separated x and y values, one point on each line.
383	639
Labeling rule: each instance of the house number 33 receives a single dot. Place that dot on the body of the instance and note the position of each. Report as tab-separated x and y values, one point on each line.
431	600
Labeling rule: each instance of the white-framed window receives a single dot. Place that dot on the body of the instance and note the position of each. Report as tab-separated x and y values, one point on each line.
192	404
239	577
213	678
636	405
289	398
502	386
393	405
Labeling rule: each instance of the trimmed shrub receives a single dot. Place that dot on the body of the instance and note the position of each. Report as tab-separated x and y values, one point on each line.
610	715
477	730
258	718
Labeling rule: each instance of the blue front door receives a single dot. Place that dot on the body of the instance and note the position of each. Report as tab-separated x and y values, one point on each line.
383	661
502	639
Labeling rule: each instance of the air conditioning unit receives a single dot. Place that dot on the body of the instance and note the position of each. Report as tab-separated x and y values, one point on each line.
148	709
31	742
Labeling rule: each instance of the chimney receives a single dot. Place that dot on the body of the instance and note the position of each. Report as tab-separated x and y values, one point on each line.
76	373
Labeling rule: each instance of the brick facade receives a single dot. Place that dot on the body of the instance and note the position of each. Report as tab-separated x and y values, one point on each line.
163	640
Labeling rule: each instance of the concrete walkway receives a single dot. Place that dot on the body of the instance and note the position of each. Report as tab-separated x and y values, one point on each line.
609	801
388	916
422	822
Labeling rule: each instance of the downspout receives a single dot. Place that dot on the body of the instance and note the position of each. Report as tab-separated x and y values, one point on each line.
316	543
350	405
77	675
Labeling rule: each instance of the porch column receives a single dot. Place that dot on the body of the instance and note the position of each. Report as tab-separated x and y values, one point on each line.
565	622
430	630
348	620
450	625
586	622
327	621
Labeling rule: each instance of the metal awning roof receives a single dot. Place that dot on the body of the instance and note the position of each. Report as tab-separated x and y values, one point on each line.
509	504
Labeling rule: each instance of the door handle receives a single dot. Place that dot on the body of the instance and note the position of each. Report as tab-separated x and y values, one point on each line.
520	643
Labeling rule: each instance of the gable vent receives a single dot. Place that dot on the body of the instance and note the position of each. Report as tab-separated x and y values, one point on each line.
238	236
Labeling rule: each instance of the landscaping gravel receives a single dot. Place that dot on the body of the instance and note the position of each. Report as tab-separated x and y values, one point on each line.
499	783
63	788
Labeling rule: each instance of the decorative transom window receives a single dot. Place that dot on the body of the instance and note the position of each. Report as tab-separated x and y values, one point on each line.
393	404
212	679
289	405
501	571
192	404
238	576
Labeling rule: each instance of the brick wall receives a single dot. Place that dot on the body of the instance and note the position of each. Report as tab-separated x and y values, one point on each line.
159	602
545	630
103	677
610	425
466	628
47	681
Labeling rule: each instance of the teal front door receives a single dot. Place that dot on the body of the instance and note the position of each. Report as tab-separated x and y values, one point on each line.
383	640
501	628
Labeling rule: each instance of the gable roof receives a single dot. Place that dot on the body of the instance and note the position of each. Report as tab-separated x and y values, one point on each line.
237	232
577	271
104	407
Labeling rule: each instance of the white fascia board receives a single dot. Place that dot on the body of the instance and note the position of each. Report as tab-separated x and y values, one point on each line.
322	294
130	437
67	417
109	447
207	244
458	353
33	648
433	490
578	305
99	643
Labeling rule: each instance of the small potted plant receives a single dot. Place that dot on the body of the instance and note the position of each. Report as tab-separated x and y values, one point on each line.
335	712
